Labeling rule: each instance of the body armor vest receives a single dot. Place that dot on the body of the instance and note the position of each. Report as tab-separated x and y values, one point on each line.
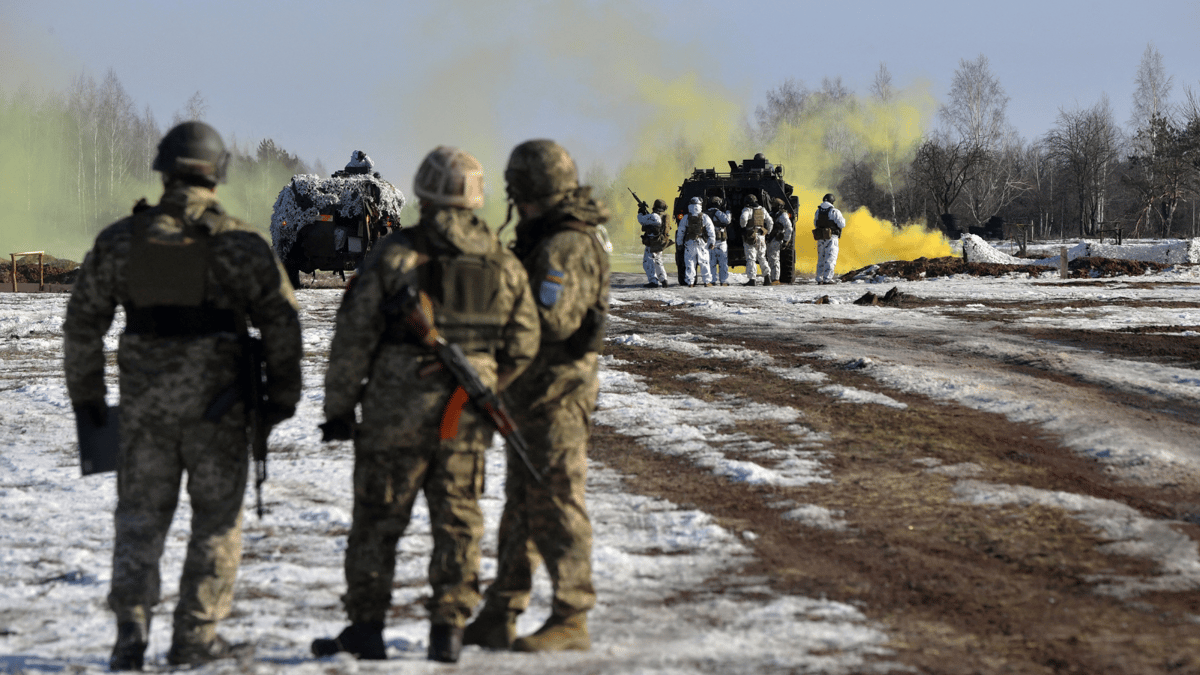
718	226
823	219
465	289
756	222
695	227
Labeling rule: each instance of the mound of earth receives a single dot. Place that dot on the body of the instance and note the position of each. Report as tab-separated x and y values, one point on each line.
925	268
54	270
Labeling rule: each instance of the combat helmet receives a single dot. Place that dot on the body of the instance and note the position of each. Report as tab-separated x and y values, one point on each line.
828	197
716	202
751	201
450	177
193	151
659	206
539	170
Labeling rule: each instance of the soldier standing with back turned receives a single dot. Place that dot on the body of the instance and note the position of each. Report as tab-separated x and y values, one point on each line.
781	233
828	224
413	437
719	255
756	227
655	237
564	252
189	278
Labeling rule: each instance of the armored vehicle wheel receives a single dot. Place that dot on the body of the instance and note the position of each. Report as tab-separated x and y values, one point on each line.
293	274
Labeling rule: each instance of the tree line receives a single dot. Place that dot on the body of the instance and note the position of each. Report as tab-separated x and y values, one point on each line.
1084	177
73	161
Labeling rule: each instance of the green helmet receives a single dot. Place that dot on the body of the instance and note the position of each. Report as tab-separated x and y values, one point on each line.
659	206
538	170
192	150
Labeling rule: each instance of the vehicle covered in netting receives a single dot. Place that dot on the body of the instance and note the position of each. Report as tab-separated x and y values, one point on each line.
330	224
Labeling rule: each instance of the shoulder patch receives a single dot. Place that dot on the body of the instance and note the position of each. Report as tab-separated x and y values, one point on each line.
551	288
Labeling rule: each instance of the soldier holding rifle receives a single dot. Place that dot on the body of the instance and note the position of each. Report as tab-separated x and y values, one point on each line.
433	304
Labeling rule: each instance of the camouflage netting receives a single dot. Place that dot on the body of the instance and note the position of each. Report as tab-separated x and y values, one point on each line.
300	202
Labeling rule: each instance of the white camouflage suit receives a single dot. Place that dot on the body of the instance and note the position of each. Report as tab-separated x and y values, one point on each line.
756	246
827	249
695	252
780	234
652	261
719	255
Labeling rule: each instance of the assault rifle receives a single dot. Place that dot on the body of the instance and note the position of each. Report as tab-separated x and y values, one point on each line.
643	207
417	310
253	393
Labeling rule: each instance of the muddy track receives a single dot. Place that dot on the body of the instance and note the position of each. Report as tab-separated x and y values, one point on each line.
960	588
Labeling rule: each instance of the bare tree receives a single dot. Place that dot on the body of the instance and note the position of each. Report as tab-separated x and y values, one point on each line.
975	115
1086	145
195	109
941	170
1153	89
975	111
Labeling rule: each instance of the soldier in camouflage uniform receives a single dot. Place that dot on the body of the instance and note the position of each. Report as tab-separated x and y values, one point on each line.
562	247
483	303
189	278
781	233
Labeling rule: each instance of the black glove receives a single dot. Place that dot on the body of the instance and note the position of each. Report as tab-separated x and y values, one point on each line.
273	413
96	412
337	429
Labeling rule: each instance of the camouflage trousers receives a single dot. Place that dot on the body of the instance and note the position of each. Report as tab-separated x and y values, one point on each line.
548	522
387	477
827	255
156	449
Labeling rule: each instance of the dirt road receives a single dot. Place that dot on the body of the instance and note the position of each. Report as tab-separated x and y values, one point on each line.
1019	537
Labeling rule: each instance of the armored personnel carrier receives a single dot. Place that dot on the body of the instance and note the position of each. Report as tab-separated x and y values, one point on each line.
756	177
330	224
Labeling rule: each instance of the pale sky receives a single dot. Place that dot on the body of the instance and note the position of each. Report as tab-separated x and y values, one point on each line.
396	79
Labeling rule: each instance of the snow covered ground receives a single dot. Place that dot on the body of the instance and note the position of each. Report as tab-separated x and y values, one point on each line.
55	527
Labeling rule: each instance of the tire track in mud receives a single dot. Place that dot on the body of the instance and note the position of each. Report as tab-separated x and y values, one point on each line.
962	588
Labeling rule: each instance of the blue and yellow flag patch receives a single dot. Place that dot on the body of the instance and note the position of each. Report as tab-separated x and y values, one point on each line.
551	288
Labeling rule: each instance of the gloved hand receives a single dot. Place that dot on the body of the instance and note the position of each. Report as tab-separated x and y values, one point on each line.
274	413
337	429
97	413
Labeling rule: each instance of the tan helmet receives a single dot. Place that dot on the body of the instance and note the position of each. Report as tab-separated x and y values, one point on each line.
450	177
539	169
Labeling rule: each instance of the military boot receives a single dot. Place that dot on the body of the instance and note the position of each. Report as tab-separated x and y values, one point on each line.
363	640
749	283
129	652
492	629
445	642
195	654
559	633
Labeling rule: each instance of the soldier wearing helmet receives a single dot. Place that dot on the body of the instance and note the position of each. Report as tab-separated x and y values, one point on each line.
756	228
656	236
696	236
562	245
781	233
413	435
828	224
191	280
718	257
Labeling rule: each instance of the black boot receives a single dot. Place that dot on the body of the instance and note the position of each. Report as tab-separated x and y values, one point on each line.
445	642
364	640
129	652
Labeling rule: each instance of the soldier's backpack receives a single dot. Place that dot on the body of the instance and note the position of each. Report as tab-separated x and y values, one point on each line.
826	227
695	228
718	226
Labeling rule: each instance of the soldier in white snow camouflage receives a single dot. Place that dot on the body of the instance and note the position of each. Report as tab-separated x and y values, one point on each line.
189	278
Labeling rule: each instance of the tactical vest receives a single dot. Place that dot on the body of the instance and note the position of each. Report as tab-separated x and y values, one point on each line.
695	227
756	223
652	235
465	289
166	277
718	226
823	219
777	231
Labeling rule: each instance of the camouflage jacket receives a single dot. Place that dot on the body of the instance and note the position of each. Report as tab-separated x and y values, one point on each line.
371	362
568	269
240	275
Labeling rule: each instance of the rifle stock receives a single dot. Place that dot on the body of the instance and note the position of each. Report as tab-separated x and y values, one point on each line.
418	314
